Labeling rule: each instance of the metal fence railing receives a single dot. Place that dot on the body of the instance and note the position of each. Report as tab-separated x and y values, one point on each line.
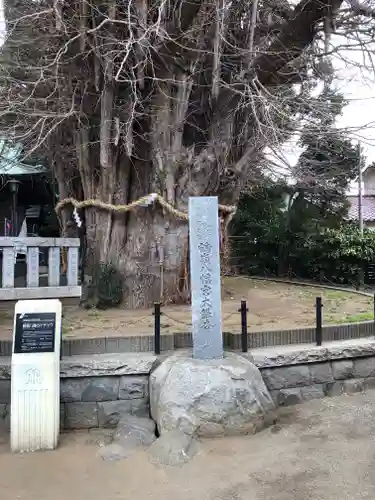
243	340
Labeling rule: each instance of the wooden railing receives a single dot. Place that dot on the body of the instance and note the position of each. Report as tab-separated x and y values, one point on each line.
30	248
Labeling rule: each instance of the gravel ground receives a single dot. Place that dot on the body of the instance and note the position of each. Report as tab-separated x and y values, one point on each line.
320	450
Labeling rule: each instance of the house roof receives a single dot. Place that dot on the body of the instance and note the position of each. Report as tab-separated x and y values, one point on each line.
370	166
10	163
368	208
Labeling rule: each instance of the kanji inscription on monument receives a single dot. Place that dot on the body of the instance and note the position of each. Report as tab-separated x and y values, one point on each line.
205	277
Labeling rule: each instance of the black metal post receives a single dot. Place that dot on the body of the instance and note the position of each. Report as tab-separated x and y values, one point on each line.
15	215
243	310
13	187
318	329
157	315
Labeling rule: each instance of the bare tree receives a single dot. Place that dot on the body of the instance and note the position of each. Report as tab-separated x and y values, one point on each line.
178	97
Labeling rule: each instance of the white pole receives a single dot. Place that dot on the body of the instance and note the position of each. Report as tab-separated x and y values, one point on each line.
360	203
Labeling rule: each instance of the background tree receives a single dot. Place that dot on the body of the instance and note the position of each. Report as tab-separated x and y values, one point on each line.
272	237
329	161
281	229
127	98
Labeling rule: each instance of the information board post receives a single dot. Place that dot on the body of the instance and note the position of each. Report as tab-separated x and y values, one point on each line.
35	377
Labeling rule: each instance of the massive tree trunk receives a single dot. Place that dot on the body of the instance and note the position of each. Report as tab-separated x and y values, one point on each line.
150	250
147	245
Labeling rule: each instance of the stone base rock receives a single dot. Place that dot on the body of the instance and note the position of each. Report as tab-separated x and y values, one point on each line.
135	429
131	434
173	448
114	451
209	397
99	437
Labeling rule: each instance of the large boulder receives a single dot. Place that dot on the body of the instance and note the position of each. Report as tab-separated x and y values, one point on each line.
209	397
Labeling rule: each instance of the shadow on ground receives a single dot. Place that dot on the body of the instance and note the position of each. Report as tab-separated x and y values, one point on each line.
320	450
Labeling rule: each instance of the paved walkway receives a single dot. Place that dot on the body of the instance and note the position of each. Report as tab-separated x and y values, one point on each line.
322	450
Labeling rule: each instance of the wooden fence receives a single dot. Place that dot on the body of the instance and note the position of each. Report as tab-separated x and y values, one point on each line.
30	248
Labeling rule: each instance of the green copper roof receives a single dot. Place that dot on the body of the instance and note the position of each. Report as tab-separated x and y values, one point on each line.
10	163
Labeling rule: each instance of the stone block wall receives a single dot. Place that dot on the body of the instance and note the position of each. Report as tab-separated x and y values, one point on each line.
294	374
99	401
95	390
297	383
93	401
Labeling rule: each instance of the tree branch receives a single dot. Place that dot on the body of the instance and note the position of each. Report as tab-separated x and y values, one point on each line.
295	36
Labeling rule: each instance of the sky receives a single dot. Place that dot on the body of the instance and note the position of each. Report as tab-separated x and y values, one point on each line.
360	113
358	118
355	79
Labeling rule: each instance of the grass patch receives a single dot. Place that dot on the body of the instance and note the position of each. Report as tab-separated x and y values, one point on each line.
337	295
349	318
357	318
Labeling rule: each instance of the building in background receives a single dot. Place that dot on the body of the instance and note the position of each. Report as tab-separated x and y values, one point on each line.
368	199
26	195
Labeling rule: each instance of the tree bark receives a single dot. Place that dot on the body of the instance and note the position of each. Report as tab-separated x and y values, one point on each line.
148	248
154	263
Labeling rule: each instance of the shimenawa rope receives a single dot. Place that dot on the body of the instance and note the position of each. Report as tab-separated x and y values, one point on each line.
144	201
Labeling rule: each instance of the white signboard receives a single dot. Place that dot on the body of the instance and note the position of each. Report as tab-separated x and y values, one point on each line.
35	393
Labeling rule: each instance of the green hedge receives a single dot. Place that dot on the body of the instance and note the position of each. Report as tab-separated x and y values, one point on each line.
268	240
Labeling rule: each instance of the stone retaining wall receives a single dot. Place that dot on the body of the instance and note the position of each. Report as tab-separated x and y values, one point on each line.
99	401
97	389
94	391
297	383
93	401
294	374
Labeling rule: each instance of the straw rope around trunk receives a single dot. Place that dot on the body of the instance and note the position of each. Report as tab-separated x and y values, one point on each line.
144	201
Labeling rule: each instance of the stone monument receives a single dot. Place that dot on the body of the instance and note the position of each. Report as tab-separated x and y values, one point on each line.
209	393
205	277
35	376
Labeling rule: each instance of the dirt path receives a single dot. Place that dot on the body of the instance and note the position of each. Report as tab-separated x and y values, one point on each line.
321	450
